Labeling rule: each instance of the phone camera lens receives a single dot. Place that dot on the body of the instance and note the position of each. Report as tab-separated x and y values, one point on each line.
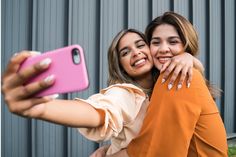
76	56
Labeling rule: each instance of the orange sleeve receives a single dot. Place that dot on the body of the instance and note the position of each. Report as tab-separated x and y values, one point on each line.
170	121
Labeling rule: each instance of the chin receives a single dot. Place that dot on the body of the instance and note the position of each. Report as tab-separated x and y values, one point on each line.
158	65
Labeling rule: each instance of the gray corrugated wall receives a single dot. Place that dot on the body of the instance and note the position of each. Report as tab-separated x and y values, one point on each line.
47	24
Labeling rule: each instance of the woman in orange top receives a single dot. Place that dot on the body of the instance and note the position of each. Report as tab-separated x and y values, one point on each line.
183	123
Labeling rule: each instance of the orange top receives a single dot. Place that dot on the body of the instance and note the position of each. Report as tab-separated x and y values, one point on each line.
181	123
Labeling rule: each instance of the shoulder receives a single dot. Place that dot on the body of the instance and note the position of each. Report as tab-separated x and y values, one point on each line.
124	88
187	97
198	79
196	89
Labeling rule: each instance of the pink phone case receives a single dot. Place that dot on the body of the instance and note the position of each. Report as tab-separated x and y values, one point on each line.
68	66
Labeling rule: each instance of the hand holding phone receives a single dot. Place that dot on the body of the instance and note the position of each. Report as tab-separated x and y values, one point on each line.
68	67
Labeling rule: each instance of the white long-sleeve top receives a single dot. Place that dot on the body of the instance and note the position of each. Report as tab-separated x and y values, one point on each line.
125	107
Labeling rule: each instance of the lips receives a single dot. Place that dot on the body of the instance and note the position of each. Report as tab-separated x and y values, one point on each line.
164	59
139	62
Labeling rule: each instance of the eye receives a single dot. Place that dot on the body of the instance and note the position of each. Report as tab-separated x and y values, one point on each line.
155	42
124	53
140	45
174	42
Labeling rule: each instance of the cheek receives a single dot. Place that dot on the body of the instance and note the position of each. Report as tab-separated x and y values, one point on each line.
157	64
124	62
177	50
153	51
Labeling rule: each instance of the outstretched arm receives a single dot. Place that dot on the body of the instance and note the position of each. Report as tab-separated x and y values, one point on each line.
20	101
73	113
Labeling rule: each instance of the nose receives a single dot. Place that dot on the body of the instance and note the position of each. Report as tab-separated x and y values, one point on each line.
164	48
135	52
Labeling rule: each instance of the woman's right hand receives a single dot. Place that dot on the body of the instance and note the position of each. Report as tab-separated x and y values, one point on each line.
100	152
18	96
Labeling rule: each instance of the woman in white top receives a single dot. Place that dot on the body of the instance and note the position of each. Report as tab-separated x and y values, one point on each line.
116	113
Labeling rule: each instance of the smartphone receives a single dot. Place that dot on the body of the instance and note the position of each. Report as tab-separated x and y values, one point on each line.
68	66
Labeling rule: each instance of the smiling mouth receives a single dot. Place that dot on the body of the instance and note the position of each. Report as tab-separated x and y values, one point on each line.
139	62
163	60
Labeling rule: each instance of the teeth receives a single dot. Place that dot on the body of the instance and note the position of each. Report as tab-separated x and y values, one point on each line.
139	62
164	59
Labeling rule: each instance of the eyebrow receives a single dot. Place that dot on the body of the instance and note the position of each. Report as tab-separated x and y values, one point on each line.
137	41
168	37
171	37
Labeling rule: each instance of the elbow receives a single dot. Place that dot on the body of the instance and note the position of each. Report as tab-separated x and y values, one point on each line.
100	118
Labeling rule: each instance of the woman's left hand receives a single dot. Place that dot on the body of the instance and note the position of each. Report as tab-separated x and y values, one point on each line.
180	65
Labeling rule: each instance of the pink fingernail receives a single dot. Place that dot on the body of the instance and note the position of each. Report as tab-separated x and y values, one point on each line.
54	96
179	86
35	52
188	85
49	78
45	62
170	86
163	80
15	54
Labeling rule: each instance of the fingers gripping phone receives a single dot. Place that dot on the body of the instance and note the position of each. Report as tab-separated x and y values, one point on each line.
68	67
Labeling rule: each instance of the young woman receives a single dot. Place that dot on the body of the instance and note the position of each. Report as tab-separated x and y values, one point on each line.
183	123
115	113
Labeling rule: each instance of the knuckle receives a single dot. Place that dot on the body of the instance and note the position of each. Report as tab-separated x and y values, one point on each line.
181	63
7	99
24	91
37	67
183	74
167	71
26	113
12	109
3	89
175	61
181	81
172	81
12	60
25	53
175	74
20	75
43	84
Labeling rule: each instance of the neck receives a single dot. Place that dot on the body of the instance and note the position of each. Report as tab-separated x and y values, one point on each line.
146	81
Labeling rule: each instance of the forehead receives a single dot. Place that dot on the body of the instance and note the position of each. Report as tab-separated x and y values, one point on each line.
129	38
165	30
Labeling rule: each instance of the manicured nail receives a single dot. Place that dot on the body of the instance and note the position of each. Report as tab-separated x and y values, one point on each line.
15	54
170	86
179	86
163	80
188	85
54	96
45	62
35	52
49	79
